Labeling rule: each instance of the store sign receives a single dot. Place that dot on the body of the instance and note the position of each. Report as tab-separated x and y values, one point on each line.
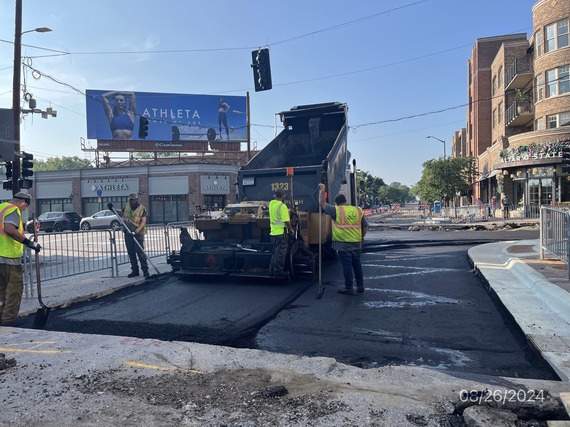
214	184
109	187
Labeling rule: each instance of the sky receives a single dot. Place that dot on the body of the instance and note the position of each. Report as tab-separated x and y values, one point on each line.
399	65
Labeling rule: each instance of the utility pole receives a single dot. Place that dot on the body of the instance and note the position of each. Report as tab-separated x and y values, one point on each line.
16	88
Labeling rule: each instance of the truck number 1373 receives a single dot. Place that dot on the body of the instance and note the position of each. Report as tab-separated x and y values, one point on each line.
280	186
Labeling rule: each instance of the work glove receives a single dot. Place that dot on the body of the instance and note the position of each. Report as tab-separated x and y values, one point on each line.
32	245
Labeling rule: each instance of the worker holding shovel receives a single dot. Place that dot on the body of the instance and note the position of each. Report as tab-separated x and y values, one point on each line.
134	217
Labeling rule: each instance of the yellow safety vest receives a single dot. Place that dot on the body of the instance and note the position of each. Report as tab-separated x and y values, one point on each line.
134	216
347	225
278	216
10	248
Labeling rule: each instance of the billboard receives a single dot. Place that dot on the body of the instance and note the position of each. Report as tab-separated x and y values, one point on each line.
164	119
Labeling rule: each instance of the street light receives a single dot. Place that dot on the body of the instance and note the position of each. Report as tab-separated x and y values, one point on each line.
440	140
16	87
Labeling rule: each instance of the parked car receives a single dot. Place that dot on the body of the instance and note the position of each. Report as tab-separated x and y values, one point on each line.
101	219
56	221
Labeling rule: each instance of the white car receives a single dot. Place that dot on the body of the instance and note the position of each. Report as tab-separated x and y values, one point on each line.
101	219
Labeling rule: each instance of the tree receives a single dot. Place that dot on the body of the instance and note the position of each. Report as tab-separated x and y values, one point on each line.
374	191
368	188
61	163
395	193
443	178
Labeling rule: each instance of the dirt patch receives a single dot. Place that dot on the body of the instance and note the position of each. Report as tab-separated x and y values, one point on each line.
243	397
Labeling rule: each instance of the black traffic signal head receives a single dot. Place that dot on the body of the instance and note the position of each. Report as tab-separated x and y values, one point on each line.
261	69
27	164
143	127
9	170
25	183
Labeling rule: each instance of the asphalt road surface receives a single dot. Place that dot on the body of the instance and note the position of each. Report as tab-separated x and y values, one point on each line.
422	306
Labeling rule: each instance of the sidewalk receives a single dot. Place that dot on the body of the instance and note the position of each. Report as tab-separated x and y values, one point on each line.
535	292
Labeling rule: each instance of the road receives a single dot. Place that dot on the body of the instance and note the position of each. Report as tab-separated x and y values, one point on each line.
422	306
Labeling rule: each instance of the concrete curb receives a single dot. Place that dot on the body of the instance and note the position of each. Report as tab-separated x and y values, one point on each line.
539	307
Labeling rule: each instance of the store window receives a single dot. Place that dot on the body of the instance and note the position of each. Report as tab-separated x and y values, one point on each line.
91	205
165	209
214	203
54	205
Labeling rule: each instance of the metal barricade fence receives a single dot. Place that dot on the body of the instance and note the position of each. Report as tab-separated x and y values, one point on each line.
554	234
76	252
70	253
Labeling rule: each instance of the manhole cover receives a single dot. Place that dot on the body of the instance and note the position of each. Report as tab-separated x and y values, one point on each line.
520	249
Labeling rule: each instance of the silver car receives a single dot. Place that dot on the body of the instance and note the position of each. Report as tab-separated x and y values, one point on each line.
101	219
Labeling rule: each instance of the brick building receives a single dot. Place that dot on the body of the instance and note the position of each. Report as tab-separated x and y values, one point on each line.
518	117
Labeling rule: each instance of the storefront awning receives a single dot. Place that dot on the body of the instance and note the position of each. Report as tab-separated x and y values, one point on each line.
493	173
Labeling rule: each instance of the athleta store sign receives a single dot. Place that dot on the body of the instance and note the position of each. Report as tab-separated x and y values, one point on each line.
214	184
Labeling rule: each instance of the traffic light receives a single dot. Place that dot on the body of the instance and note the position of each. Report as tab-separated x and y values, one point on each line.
143	127
7	184
27	164
566	159
261	69
9	171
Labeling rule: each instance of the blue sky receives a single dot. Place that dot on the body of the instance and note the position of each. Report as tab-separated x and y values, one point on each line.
389	60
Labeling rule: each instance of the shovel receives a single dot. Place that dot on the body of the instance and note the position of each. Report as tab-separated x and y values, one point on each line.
112	209
43	312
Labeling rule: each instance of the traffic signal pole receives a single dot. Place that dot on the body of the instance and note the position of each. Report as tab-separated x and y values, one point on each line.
16	94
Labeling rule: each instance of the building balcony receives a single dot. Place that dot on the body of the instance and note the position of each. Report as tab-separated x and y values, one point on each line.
520	113
519	74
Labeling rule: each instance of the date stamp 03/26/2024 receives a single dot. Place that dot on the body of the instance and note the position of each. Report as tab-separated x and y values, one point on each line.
501	396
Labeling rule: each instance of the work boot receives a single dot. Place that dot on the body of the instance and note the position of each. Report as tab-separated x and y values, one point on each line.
134	274
145	273
360	288
347	291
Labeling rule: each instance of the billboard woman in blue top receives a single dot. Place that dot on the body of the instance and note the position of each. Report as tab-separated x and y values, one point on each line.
121	116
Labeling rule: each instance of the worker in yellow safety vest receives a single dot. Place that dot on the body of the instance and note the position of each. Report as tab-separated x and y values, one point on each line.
280	223
349	226
12	241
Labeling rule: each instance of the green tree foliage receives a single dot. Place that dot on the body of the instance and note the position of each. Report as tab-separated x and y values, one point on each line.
395	193
61	163
374	191
443	178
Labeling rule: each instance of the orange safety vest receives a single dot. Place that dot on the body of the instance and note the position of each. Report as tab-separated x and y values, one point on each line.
347	225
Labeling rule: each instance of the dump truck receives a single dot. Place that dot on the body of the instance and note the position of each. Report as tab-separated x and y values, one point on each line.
311	149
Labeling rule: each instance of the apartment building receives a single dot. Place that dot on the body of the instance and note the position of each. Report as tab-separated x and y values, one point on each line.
518	117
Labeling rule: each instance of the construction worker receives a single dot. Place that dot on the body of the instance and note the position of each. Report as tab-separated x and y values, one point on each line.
134	216
349	226
12	241
280	226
